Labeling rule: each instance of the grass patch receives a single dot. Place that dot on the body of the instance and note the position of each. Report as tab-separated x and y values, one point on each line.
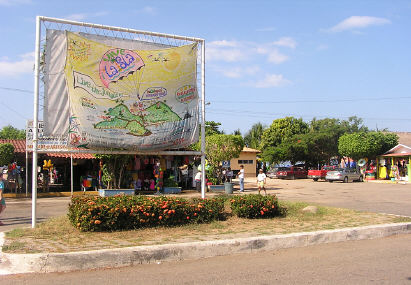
58	235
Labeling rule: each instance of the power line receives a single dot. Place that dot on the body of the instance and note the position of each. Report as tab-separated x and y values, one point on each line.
271	115
312	100
16	89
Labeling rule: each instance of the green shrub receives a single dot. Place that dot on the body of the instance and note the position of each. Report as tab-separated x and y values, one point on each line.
256	206
89	213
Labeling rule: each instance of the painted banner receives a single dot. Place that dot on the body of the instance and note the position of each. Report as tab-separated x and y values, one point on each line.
131	99
43	142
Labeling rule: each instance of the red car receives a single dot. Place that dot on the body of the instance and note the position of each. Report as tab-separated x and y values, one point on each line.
292	172
319	174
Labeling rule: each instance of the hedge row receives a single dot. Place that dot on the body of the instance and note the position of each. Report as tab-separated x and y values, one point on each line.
256	206
89	213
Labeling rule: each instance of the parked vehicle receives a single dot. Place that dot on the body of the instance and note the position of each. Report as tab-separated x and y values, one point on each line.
344	174
292	172
272	173
316	174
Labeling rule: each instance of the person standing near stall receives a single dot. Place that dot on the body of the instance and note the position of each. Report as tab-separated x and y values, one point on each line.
2	200
241	178
261	179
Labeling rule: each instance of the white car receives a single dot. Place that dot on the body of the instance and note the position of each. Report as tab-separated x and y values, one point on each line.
344	174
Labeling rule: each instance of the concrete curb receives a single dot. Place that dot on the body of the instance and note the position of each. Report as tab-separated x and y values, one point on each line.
59	262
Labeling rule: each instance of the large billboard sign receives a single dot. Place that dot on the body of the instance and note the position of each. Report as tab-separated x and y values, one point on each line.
115	95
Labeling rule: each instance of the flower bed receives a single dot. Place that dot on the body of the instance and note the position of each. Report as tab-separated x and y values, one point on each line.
89	213
256	206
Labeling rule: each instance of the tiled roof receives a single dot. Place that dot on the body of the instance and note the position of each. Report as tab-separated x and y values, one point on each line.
19	145
248	149
404	138
75	155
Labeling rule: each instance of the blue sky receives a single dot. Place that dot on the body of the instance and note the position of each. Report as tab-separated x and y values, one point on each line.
264	59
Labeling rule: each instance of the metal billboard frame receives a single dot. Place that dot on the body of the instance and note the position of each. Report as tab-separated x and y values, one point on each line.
42	19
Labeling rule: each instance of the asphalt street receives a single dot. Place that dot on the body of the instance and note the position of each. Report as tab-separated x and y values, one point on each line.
366	196
378	261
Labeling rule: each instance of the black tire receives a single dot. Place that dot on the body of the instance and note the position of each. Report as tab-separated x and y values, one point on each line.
345	179
330	181
315	179
361	179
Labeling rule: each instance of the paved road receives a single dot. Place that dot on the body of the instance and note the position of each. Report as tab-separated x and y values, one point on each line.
380	261
366	196
18	211
372	197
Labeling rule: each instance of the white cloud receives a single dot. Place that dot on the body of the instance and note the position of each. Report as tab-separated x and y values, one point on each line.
146	10
24	65
14	2
228	51
223	43
83	16
274	55
358	22
272	80
286	42
237	72
231	51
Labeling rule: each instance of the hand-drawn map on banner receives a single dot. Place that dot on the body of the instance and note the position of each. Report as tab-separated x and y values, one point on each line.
131	99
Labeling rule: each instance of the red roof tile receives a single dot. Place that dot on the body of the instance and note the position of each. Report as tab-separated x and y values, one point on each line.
75	155
19	145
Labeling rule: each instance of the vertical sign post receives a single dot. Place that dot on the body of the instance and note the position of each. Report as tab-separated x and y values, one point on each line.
35	122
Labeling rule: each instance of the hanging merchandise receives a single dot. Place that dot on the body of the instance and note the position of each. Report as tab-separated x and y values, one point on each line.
137	163
146	161
186	160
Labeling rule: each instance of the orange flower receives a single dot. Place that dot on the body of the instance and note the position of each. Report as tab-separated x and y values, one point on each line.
195	214
97	222
160	217
262	212
188	217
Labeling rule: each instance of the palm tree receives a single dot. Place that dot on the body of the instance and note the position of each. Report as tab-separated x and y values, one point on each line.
253	137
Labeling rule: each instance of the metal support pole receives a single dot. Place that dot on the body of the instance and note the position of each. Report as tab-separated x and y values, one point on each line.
27	172
203	176
35	122
71	174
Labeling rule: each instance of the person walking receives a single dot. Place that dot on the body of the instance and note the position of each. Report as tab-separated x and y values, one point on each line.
241	178
261	179
2	200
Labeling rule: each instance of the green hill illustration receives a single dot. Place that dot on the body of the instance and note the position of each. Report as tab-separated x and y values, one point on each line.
120	117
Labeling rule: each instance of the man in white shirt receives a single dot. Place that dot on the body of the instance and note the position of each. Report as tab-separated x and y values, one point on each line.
261	181
241	178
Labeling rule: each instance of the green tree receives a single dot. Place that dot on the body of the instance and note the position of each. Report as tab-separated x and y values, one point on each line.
6	153
237	132
222	147
212	128
114	168
10	132
253	137
366	145
281	130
